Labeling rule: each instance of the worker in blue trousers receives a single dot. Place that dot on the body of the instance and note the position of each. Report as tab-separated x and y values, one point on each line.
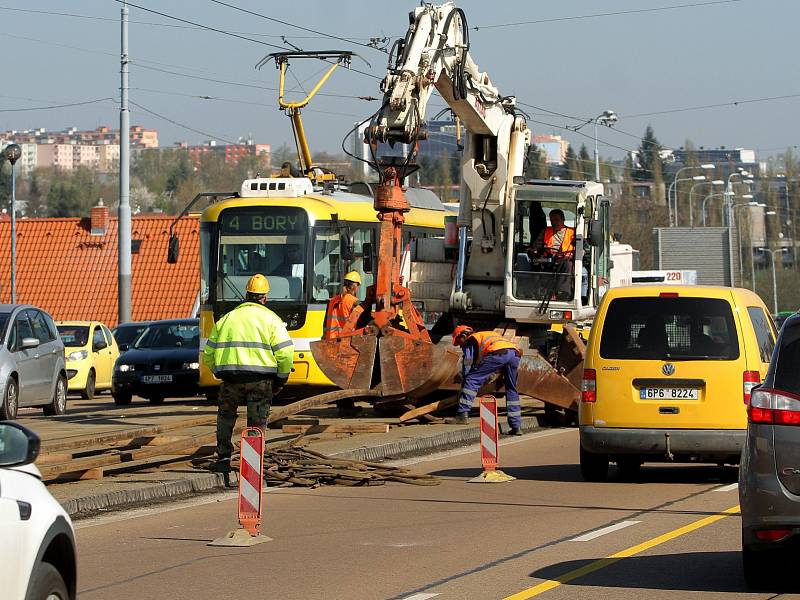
487	353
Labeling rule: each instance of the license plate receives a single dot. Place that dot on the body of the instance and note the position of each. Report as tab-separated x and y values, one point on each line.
669	393
156	378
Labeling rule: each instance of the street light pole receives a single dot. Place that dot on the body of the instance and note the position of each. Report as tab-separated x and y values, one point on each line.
607	118
12	153
691	191
739	240
717	195
774	282
672	196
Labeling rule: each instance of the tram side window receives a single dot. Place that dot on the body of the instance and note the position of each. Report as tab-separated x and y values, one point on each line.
327	264
360	237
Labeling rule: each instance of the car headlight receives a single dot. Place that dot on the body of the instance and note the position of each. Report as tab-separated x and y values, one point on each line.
126	368
191	365
78	355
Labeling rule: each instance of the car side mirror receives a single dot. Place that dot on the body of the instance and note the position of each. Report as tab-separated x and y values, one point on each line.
173	249
29	343
595	232
96	347
18	445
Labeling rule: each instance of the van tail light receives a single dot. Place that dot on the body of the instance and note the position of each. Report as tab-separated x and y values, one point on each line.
750	380
774	407
589	386
772	535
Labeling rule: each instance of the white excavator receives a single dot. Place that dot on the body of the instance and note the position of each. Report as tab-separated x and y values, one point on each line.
503	279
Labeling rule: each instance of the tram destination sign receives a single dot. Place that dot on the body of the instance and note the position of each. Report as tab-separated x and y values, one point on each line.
263	221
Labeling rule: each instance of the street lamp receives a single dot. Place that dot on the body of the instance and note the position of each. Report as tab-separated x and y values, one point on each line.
732	209
695	178
691	190
670	194
12	153
729	204
717	195
607	118
774	283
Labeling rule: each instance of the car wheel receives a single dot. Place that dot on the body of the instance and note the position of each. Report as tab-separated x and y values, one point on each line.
58	405
629	467
47	583
156	399
91	381
594	467
10	403
122	399
759	568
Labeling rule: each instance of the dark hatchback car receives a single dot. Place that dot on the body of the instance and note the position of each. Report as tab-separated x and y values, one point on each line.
769	475
163	361
126	333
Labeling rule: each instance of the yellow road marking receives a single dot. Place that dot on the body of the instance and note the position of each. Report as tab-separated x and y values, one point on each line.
611	559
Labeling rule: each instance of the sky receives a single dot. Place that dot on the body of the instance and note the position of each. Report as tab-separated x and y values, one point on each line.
566	62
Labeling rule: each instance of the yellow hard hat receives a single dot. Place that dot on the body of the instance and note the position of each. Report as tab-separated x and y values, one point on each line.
258	284
354	277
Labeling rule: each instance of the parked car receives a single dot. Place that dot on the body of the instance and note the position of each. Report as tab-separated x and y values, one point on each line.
91	353
769	475
164	361
667	373
126	333
32	364
37	546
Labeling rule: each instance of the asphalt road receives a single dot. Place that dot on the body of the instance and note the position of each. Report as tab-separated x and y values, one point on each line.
546	534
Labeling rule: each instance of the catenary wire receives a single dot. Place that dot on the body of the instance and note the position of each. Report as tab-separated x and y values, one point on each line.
607	14
184	126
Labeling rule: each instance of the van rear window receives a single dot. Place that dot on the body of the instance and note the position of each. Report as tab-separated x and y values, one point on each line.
669	329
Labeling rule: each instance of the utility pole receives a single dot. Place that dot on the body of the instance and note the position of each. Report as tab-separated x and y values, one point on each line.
124	220
12	154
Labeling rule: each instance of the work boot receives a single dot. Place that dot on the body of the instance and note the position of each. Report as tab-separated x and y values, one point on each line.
222	465
514	431
459	419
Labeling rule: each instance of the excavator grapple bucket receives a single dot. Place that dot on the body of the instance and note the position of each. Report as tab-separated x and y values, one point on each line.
347	361
414	367
538	378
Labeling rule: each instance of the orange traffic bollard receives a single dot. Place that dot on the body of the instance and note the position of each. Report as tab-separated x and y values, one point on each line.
251	481
490	434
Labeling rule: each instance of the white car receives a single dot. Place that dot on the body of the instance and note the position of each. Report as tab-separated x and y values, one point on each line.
37	544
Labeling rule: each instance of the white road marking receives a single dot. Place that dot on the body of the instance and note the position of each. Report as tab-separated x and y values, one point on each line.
727	488
420	596
599	532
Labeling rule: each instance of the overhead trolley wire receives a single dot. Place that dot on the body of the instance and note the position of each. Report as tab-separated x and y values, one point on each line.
606	14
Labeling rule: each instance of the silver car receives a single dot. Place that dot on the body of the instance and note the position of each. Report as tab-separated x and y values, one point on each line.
32	365
769	476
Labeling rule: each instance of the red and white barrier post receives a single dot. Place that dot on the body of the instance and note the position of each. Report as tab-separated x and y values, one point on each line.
251	481
490	438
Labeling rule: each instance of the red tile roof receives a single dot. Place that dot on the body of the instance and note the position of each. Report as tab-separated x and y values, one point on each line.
72	274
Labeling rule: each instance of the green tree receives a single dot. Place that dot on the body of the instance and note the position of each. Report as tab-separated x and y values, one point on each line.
536	166
586	164
571	166
650	164
5	182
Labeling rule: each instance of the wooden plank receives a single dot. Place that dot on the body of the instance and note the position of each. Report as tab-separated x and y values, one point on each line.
428	408
338	428
50	447
281	412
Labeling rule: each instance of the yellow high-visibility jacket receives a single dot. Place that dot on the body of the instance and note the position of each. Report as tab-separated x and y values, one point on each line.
249	343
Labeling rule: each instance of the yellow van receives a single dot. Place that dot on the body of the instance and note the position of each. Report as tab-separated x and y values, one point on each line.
667	375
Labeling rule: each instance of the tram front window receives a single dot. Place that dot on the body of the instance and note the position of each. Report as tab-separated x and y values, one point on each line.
270	241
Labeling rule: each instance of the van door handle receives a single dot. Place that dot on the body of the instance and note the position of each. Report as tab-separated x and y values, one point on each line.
669	410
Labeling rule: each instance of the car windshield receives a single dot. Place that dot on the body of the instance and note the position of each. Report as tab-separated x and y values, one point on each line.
665	328
126	334
174	335
74	336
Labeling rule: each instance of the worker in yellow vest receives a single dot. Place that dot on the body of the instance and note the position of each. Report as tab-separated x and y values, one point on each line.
250	350
340	307
487	353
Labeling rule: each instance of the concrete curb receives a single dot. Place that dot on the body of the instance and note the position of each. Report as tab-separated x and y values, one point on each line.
90	505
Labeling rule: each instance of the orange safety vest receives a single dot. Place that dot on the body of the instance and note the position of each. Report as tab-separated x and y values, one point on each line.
339	309
567	244
489	341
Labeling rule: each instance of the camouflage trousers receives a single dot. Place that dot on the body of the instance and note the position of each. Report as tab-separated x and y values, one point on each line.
256	395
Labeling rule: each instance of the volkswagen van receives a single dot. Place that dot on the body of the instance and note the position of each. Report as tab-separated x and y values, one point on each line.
667	376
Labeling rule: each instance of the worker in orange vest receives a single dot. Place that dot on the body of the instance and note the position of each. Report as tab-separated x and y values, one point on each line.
339	310
559	240
486	353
